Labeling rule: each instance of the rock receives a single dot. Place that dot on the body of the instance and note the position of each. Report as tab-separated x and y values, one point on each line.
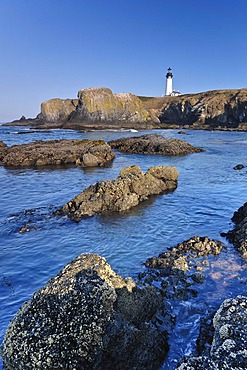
153	144
177	269
82	153
95	108
99	106
192	248
57	110
87	317
238	167
218	109
130	188
3	150
182	132
238	236
26	228
228	350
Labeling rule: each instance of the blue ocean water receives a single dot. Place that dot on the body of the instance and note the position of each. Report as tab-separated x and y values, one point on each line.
208	193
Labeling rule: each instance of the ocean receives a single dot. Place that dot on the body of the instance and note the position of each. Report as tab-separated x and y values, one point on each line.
209	191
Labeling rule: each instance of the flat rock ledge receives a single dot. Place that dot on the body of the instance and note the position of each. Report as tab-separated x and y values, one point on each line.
153	144
83	153
130	188
238	236
87	317
229	347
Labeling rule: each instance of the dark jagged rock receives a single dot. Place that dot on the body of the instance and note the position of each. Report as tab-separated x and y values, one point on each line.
26	228
228	350
238	236
238	167
153	144
130	188
189	249
84	153
87	317
181	267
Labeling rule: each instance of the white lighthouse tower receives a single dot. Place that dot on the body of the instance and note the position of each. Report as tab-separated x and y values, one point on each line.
169	76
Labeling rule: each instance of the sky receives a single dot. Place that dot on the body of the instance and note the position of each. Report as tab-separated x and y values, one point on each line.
53	48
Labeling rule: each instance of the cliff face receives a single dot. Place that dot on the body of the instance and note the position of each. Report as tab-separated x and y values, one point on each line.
100	106
96	108
57	110
220	109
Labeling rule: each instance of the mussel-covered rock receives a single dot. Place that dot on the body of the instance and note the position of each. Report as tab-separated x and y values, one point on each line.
153	144
84	153
130	188
87	317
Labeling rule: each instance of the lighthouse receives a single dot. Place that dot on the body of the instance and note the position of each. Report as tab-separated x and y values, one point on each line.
169	87
169	76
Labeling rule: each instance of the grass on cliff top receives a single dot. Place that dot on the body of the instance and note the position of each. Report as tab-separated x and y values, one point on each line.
158	102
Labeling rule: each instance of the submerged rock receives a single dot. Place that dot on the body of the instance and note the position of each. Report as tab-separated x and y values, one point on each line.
84	153
238	167
87	317
153	144
229	347
238	236
130	188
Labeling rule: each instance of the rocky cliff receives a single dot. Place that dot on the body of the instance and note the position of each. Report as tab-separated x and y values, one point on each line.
99	108
57	110
219	109
95	108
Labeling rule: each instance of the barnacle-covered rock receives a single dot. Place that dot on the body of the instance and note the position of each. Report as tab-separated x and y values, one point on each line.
229	347
87	317
238	236
130	188
84	153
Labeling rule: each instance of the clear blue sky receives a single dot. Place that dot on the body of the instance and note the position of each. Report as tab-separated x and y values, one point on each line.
53	48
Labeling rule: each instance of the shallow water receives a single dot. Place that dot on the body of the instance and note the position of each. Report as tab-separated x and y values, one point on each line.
208	193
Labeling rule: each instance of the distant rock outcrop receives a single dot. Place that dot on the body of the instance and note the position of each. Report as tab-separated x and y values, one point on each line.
219	109
99	106
153	144
130	188
84	153
87	317
57	110
95	108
